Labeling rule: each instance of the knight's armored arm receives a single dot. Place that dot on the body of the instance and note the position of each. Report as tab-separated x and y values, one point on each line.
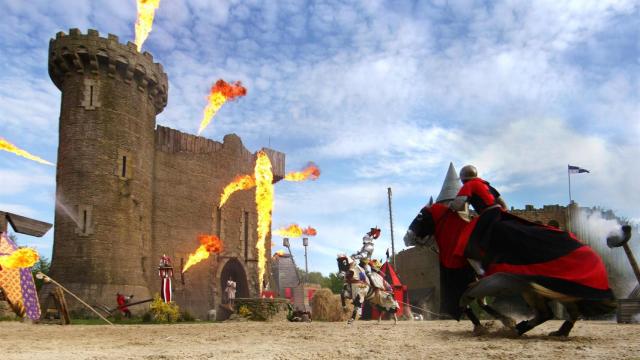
458	203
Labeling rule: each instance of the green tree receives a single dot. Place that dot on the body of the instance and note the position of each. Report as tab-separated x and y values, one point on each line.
333	282
43	265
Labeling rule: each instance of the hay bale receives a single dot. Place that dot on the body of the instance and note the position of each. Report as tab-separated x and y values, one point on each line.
326	306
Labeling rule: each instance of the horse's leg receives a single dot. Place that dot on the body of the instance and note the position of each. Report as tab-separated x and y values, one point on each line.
567	325
542	309
500	284
395	319
478	329
357	308
504	319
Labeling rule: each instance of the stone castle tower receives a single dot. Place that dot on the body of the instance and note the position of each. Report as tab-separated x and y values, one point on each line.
129	192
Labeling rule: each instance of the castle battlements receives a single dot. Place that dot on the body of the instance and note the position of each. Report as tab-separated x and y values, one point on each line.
92	56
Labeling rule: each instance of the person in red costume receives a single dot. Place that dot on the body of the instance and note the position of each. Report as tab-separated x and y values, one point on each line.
504	242
486	201
122	304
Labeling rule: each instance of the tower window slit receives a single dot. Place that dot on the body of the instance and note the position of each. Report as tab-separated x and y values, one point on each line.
91	95
84	221
124	166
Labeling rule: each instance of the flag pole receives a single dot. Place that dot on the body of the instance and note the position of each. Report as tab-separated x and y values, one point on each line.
393	248
570	227
569	176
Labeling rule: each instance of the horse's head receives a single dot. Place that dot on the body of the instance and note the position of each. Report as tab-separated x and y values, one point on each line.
344	265
421	228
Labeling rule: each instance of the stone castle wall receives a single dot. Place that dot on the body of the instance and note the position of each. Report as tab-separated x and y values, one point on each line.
129	192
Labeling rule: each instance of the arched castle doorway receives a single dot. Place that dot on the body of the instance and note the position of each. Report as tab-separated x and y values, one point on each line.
234	269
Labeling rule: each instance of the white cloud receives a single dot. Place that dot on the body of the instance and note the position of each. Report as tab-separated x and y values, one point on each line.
380	92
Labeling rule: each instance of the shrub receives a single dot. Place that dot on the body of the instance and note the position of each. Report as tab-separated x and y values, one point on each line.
244	311
162	312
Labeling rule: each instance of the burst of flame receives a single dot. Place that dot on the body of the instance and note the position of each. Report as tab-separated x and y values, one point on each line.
311	171
309	231
208	244
241	182
221	91
7	146
146	12
292	231
21	258
264	204
279	253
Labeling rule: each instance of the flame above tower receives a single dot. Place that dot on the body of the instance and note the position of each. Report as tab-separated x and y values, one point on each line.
264	204
7	146
309	231
220	92
292	231
146	12
21	258
311	171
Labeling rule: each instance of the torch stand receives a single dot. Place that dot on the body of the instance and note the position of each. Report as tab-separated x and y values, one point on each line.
627	308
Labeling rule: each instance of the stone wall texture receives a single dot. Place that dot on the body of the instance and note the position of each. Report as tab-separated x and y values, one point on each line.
129	192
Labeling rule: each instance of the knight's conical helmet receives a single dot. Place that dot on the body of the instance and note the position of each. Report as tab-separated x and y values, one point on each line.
450	186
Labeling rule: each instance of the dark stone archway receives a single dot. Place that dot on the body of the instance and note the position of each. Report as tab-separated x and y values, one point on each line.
233	268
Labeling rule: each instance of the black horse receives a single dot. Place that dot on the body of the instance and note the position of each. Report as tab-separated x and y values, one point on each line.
539	263
456	274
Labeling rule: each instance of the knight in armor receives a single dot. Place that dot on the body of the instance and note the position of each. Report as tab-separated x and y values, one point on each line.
382	291
365	252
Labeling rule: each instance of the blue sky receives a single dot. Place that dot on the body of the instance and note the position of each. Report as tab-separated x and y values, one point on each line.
376	93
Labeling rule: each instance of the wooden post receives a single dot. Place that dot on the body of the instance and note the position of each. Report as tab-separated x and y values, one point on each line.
632	261
3	222
393	248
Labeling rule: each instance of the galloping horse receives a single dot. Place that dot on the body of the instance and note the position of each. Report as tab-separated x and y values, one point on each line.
358	288
456	273
539	263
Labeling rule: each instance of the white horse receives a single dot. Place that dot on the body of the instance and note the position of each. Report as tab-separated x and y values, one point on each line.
358	286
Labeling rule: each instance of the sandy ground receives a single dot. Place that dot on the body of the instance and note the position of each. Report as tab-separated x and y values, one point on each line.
317	340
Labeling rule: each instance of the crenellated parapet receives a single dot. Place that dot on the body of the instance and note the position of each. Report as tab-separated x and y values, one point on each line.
92	55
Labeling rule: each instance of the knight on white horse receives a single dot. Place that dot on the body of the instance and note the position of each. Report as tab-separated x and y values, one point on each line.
363	284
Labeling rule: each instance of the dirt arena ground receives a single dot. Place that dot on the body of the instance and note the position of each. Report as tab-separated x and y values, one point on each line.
317	340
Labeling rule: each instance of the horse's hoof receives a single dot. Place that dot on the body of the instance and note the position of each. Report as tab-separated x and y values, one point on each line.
508	323
522	327
479	330
558	334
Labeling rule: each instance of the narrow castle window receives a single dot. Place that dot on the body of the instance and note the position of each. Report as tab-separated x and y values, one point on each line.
84	221
124	166
91	94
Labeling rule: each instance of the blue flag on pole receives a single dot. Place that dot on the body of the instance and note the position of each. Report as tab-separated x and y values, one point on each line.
576	170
